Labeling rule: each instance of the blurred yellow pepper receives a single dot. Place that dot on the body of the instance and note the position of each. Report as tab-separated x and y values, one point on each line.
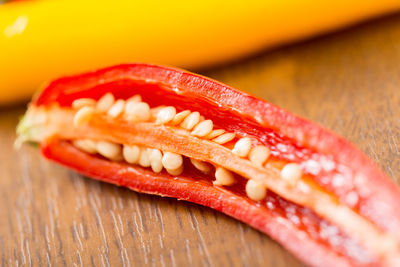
40	40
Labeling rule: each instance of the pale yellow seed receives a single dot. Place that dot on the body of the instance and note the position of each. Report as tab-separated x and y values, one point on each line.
172	161
259	154
155	157
154	112
225	138
255	190
223	177
180	117
83	102
144	159
86	145
190	121
175	172
131	153
242	147
165	115
214	133
203	128
116	109
291	172
83	116
109	150
105	102
135	98
137	111
202	166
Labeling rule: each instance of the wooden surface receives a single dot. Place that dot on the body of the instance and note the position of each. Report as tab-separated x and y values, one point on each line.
348	82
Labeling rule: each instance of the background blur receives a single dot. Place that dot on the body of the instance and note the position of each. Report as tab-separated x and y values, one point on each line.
334	63
42	40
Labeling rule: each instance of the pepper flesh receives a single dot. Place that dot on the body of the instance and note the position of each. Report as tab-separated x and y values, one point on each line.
289	137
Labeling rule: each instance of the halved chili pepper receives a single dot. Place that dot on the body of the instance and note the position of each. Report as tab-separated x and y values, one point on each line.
172	133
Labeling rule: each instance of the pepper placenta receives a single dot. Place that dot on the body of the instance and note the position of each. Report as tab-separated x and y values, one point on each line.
172	133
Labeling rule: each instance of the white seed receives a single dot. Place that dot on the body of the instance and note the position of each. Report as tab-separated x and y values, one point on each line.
172	161
137	111
116	109
180	117
201	165
259	154
190	121
175	172
86	145
83	116
131	153
144	159
225	138
242	147
223	177
154	112
215	133
105	102
109	150
203	128
255	190
165	115
83	102
291	172
155	157
135	98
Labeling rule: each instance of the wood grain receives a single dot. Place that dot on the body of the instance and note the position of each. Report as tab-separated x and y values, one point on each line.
349	82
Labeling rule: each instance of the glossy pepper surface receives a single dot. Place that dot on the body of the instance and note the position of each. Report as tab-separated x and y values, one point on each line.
341	208
42	39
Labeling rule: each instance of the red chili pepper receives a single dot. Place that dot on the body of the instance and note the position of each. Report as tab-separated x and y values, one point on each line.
341	211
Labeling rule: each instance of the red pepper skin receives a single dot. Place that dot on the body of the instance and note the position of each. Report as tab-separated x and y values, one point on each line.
289	137
324	156
143	180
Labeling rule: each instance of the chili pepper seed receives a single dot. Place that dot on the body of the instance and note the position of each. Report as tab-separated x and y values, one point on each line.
175	172
259	154
109	150
190	121
225	138
291	172
165	115
86	145
83	116
255	190
203	128
105	102
144	159
223	177
83	102
116	109
155	157
171	161
242	147
137	111
201	165
215	133
131	153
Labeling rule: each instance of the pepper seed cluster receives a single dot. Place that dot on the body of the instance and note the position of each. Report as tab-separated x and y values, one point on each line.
135	110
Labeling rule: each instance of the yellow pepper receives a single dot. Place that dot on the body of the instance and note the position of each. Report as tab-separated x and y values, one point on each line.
40	40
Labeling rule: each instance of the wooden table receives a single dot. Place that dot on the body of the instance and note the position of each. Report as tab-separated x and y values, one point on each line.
349	82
